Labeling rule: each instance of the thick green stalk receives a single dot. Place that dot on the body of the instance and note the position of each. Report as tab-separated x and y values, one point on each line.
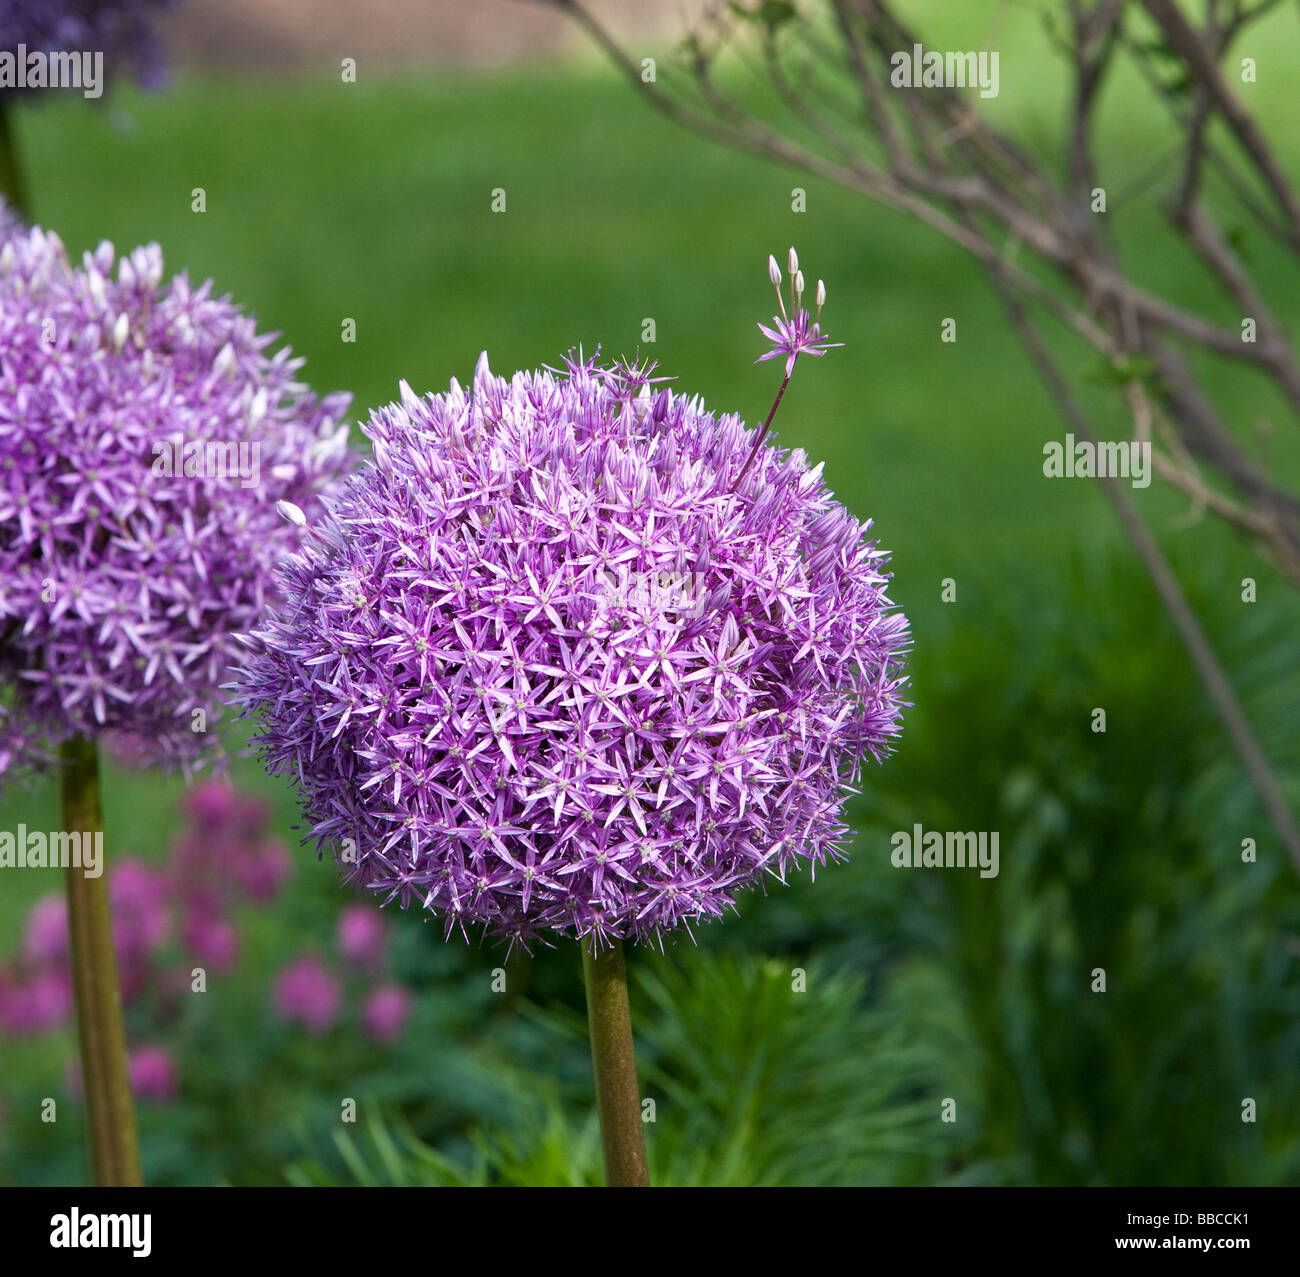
11	176
613	1058
110	1110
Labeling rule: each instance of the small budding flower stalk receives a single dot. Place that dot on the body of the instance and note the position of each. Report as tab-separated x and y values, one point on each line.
487	715
792	337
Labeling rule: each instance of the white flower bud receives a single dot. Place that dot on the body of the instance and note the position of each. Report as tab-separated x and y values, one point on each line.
120	331
794	260
287	510
773	271
798	283
821	293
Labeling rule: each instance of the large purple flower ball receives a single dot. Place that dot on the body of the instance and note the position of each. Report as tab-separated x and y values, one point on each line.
145	438
543	668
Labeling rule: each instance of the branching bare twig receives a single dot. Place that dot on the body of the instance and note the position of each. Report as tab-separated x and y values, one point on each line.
931	154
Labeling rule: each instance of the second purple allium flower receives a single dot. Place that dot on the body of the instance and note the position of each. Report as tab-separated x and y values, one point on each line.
119	31
575	653
145	438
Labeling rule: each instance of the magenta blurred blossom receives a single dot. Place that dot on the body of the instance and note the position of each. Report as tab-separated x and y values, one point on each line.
154	1074
250	816
384	1012
138	896
362	936
129	750
210	804
46	937
41	1003
308	994
212	941
135	972
223	859
262	870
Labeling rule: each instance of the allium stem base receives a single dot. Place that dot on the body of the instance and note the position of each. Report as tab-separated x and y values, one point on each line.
110	1110
613	1058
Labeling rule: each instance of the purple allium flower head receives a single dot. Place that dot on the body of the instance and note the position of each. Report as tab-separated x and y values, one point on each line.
119	29
308	994
384	1012
145	437
556	661
153	1074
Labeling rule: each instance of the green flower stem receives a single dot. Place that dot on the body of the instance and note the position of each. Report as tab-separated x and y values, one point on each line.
11	177
110	1110
613	1058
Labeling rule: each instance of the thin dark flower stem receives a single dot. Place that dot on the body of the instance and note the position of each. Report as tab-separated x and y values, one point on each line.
11	176
110	1111
613	1057
762	434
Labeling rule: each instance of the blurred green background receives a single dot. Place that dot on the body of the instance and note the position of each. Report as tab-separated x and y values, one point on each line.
1118	851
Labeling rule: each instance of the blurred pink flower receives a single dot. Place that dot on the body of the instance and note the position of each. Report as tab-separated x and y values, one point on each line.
138	895
210	804
222	859
131	750
307	993
361	936
46	937
261	871
153	1074
37	1005
250	816
210	940
134	973
384	1012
